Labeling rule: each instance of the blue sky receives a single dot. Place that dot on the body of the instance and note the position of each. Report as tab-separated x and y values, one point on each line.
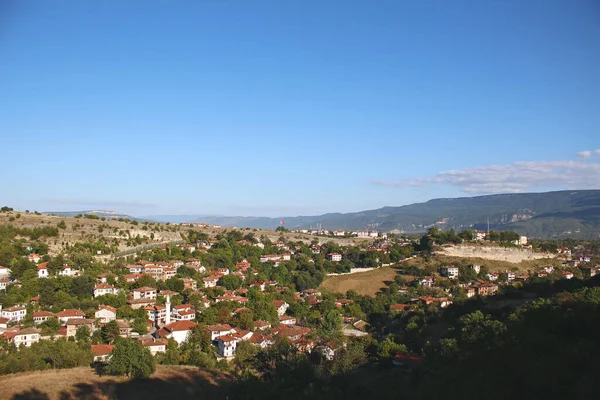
294	107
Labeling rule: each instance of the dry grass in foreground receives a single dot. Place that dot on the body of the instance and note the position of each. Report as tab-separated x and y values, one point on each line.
177	382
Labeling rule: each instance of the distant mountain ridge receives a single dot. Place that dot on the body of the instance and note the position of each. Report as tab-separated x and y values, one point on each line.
568	213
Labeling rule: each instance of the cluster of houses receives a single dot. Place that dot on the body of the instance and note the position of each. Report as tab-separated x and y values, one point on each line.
369	234
166	321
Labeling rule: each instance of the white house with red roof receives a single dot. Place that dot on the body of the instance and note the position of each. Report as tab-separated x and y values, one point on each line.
155	345
42	316
219	330
66	270
102	289
227	345
42	270
71	313
184	312
27	337
144	293
106	313
211	281
102	352
14	313
179	331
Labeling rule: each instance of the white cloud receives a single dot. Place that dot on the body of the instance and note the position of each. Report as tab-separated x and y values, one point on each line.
597	152
517	177
584	154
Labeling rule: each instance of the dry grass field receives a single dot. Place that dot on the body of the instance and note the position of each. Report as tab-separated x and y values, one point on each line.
168	382
365	283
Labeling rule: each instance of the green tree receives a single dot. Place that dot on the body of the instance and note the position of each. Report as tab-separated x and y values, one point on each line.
110	332
83	334
131	358
231	282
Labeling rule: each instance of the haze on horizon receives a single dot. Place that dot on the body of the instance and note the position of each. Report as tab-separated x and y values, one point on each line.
273	108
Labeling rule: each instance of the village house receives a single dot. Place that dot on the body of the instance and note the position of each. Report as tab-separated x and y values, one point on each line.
124	328
71	313
179	331
210	281
156	313
261	325
335	257
168	273
340	303
106	313
486	289
281	306
184	312
227	345
155	345
154	271
4	283
102	352
311	292
449	271
66	270
222	271
261	341
316	249
42	316
144	293
189	283
567	274
135	269
27	337
3	323
102	289
243	265
476	268
339	232
129	278
34	258
219	330
14	313
42	270
284	319
493	276
398	307
470	292
73	324
4	272
426	281
189	247
564	250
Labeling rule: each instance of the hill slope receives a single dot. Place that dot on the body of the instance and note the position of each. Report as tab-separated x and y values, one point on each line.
551	214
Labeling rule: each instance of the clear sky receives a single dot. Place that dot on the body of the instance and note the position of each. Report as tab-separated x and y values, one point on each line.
283	108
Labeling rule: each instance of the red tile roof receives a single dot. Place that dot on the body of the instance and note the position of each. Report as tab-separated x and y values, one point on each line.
102	349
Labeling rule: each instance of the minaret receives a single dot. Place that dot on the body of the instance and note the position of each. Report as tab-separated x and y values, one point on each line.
168	306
